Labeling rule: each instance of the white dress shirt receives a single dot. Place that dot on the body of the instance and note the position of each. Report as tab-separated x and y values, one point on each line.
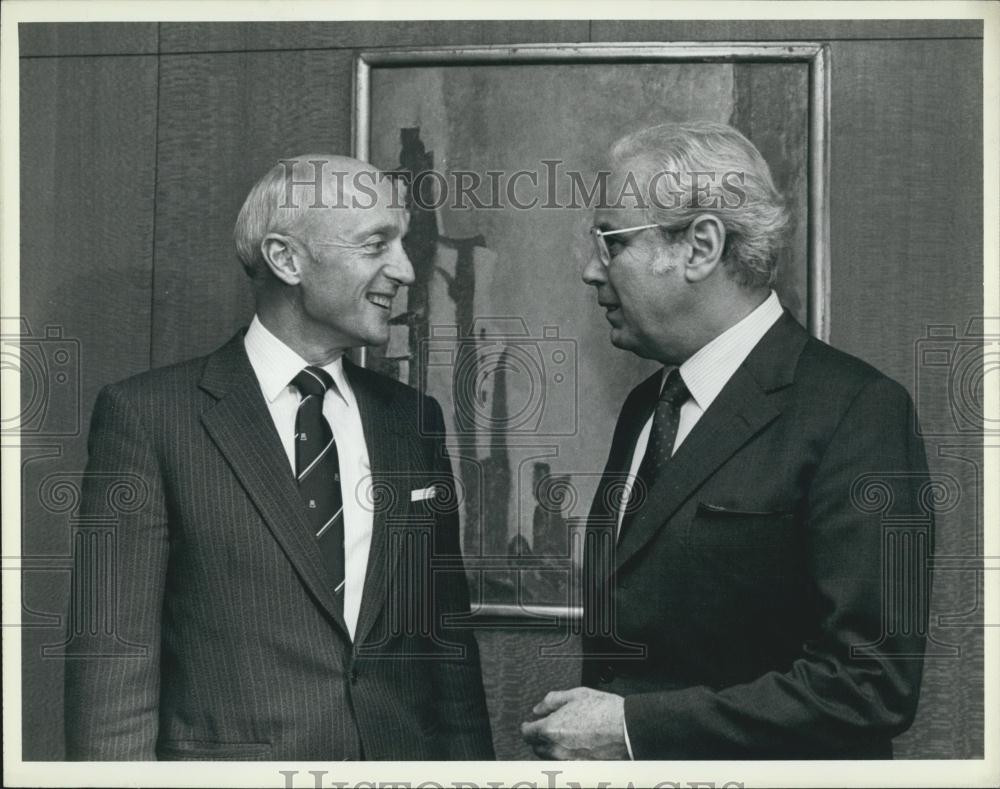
705	374
275	365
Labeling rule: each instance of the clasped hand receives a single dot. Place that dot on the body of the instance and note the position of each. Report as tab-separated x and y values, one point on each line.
581	723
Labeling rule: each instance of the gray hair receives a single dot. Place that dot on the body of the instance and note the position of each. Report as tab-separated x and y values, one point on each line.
752	211
280	201
260	215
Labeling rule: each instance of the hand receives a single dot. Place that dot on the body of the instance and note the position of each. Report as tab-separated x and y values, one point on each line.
581	723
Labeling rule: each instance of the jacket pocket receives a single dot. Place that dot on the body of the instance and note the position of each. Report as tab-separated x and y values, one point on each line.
715	526
206	750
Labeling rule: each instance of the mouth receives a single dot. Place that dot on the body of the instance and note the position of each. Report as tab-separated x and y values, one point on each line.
609	307
381	300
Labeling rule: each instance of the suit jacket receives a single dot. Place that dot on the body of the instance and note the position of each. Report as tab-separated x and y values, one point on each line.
752	607
221	587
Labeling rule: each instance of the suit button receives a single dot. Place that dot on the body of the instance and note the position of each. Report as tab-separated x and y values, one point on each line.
354	676
607	673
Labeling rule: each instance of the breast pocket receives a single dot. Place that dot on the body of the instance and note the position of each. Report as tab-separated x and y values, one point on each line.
743	542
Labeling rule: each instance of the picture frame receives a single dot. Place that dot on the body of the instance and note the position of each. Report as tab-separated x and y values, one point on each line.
493	326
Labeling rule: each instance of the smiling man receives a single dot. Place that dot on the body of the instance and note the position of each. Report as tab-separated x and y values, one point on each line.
280	576
735	601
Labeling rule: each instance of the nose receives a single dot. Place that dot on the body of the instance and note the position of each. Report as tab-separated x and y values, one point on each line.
400	268
594	273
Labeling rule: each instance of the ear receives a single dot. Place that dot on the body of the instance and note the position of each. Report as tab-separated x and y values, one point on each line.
707	237
282	258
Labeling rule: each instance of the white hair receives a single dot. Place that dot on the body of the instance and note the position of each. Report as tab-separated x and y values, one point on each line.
280	201
701	154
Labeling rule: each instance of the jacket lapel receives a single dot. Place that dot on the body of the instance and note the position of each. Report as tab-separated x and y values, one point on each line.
385	431
635	412
744	407
240	424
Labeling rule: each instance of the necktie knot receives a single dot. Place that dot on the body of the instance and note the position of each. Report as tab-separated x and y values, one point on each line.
312	381
675	391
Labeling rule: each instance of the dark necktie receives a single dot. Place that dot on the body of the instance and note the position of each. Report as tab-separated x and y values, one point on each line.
317	470
660	447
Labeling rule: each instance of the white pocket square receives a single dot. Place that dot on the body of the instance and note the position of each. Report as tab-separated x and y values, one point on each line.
423	493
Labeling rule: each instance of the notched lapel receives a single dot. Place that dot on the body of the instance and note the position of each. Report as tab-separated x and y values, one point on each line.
744	407
740	411
241	426
635	412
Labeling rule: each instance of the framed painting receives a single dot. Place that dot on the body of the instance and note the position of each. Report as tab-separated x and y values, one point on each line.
500	147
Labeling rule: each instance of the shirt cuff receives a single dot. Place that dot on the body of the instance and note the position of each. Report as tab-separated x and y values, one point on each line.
628	745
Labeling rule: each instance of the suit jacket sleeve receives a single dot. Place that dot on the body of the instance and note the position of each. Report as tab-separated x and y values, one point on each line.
830	700
461	703
112	684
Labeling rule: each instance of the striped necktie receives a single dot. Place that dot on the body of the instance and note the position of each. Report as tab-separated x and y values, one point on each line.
317	470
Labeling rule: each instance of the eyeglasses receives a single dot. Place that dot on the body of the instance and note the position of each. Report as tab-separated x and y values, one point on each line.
601	246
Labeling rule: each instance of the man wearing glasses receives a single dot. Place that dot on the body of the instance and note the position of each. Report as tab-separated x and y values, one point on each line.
275	576
734	605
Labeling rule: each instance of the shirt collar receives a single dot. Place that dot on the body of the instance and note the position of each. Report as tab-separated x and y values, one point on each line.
709	370
275	364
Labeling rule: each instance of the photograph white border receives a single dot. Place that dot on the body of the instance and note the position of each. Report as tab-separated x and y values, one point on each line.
942	773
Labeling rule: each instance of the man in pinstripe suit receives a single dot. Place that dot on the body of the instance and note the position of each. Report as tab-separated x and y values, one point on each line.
291	578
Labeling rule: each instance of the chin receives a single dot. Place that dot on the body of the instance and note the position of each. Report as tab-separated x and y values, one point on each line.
373	332
621	339
627	342
377	338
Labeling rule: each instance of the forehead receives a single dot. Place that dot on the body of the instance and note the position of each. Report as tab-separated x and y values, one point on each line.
362	206
626	196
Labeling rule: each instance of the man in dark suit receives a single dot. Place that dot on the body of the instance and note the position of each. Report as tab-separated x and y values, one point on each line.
290	572
737	600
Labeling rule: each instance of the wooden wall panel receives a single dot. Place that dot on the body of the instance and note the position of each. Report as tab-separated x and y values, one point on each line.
907	230
782	30
231	36
224	120
87	137
44	39
906	186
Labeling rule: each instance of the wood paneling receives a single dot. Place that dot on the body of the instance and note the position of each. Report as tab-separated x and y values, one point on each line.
39	39
88	127
229	36
87	172
224	120
782	30
907	231
906	186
